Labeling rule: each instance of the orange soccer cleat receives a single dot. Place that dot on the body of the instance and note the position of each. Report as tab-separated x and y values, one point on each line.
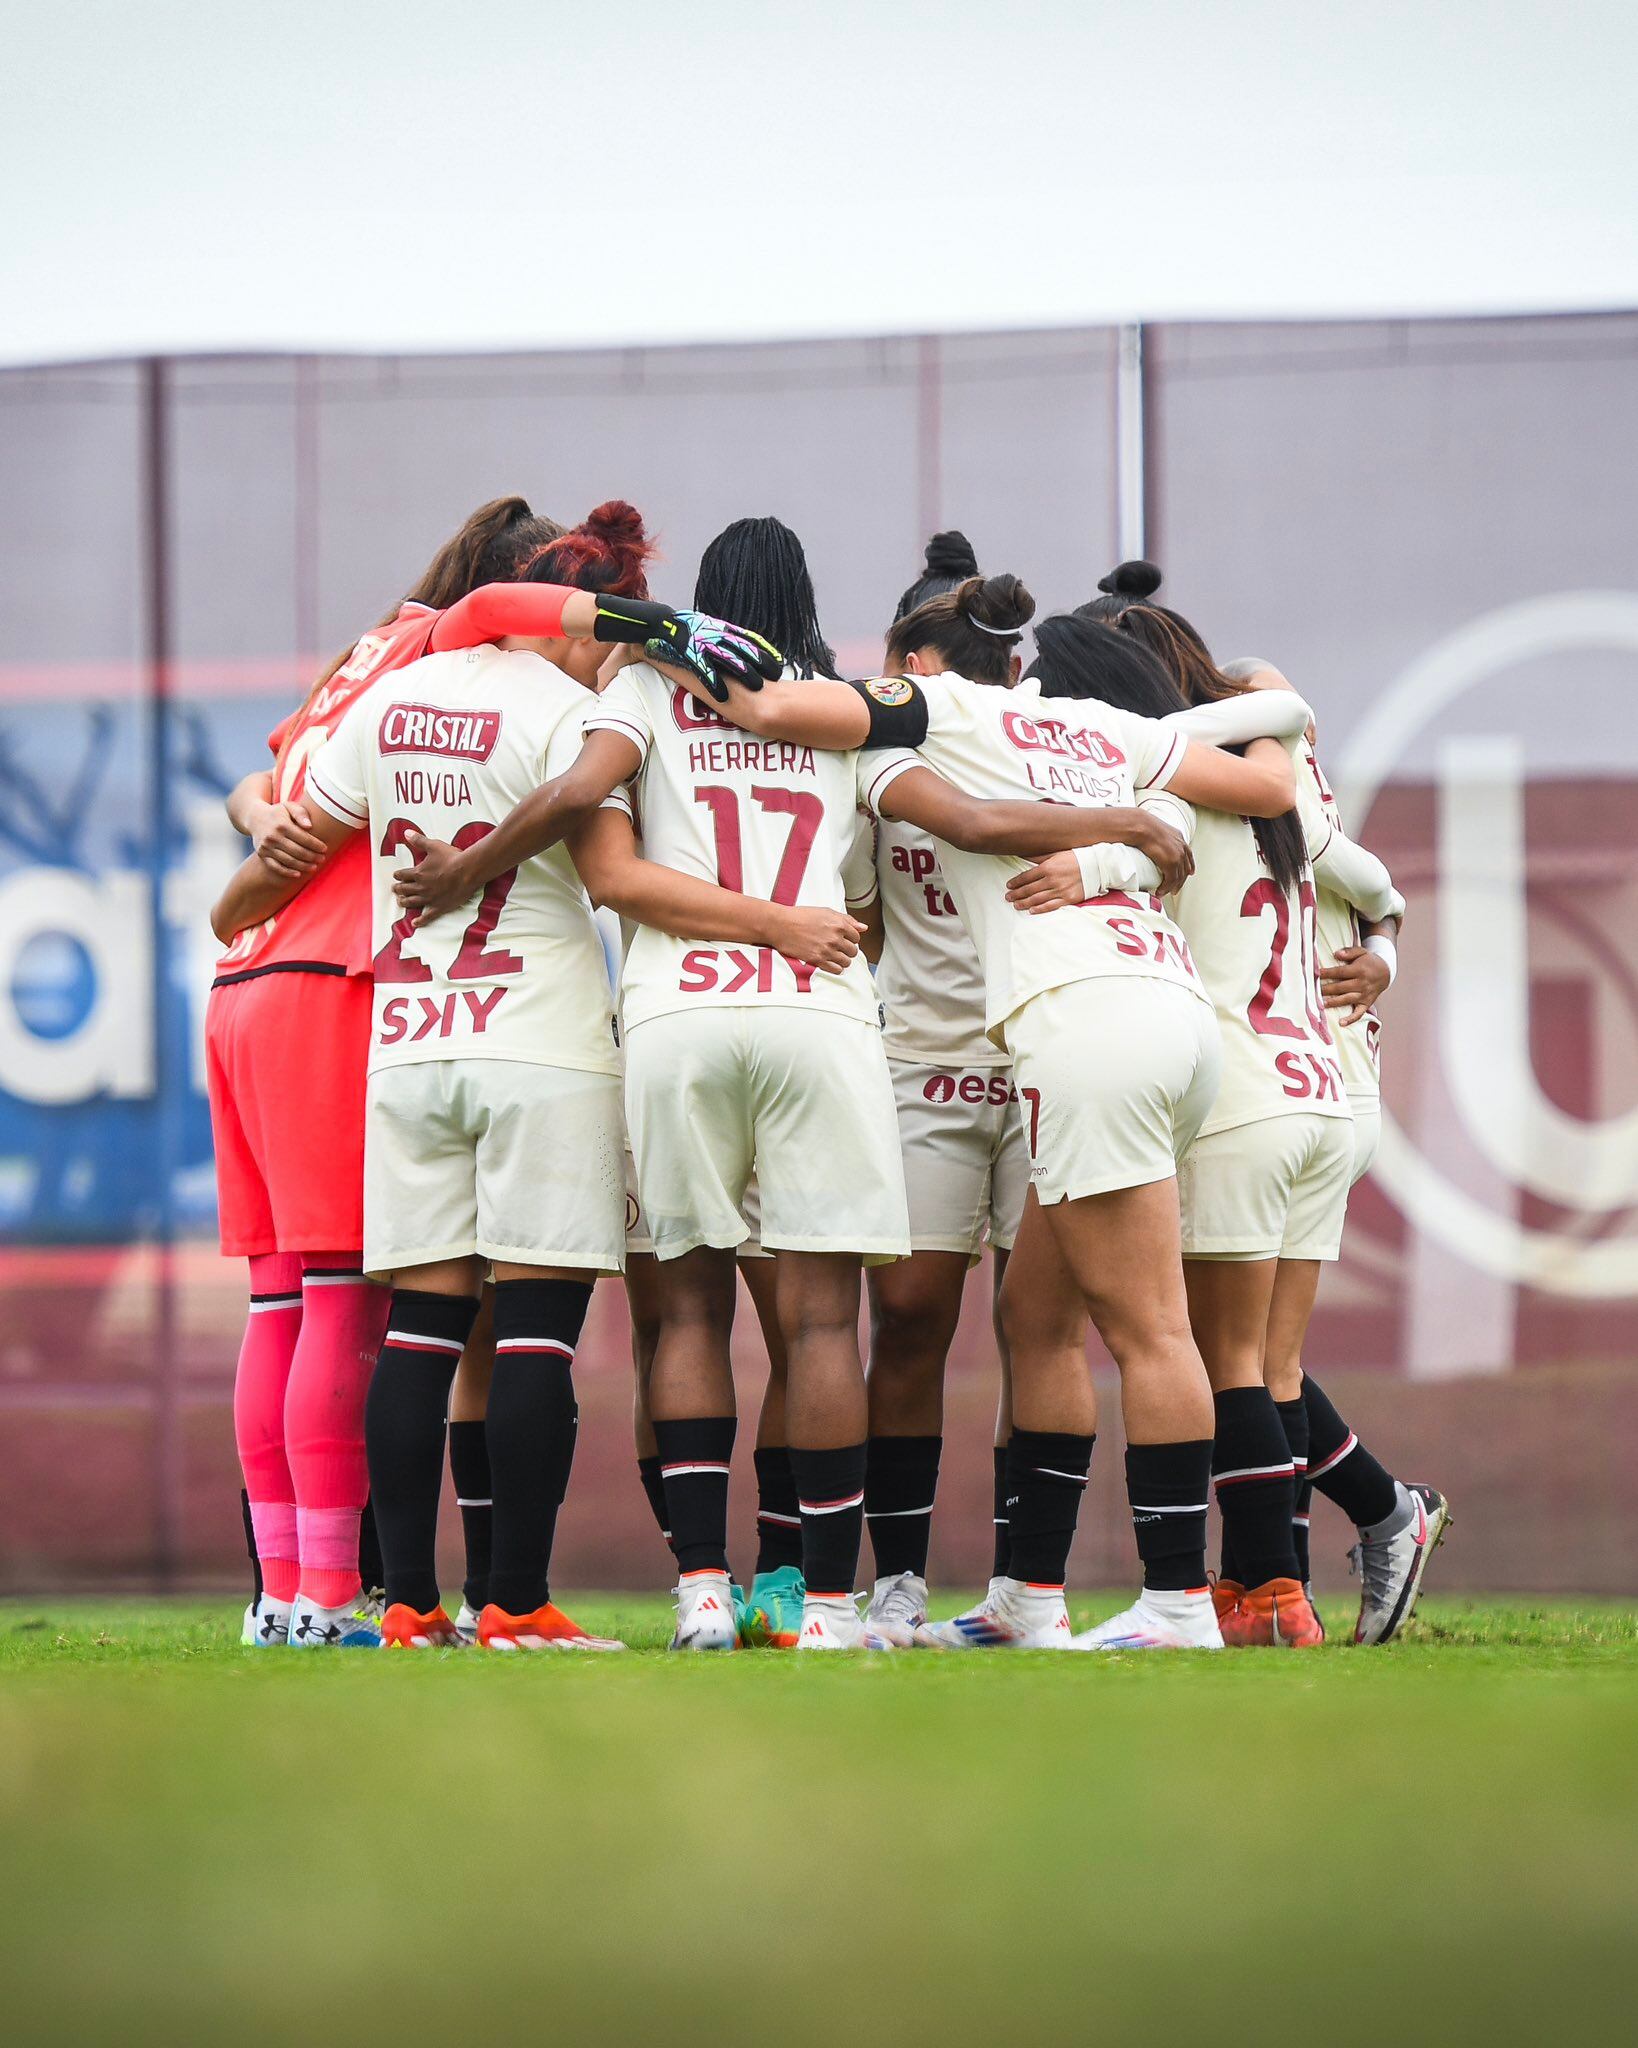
1277	1614
403	1629
1225	1597
548	1628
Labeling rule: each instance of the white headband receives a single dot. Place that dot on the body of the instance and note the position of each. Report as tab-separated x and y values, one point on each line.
999	632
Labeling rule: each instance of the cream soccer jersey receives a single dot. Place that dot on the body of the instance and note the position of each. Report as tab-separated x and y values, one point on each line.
446	747
1254	944
1337	924
1076	751
762	817
929	979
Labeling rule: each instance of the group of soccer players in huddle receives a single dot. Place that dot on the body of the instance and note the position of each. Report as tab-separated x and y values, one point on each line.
1120	1029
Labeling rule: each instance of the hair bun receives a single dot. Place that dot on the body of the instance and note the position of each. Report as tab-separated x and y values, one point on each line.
951	554
620	524
1138	579
996	604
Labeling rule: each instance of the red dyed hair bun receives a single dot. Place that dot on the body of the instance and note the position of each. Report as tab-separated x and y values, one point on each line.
610	551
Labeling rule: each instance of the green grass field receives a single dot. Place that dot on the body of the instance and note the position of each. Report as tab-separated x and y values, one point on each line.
200	1843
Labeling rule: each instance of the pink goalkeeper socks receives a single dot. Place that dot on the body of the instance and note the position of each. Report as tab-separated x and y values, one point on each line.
342	1323
259	1391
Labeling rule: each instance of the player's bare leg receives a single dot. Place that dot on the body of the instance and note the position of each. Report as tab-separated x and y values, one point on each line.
691	1404
771	1614
915	1306
1260	1596
1123	1251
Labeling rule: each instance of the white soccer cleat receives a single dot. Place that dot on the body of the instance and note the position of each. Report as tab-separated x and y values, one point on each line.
898	1607
266	1624
1391	1567
356	1625
705	1612
1157	1621
466	1623
836	1624
1011	1616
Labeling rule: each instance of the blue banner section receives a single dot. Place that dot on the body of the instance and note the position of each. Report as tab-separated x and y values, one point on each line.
106	958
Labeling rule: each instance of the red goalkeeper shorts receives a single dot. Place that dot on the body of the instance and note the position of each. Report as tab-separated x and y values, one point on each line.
285	1062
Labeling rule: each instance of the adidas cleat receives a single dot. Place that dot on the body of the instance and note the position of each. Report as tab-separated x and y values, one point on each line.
898	1607
1160	1621
1390	1568
705	1612
834	1623
771	1617
356	1625
548	1628
1011	1616
266	1624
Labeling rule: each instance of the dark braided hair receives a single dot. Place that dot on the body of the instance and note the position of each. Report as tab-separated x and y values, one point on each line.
756	573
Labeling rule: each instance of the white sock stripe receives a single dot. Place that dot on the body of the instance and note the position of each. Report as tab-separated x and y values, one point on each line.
334	1280
461	1503
1301	1464
270	1304
534	1344
407	1340
833	1507
1197	1509
892	1514
1336	1458
1252	1472
784	1521
681	1471
1048	1472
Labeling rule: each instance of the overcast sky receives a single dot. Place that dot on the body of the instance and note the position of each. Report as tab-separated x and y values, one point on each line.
210	176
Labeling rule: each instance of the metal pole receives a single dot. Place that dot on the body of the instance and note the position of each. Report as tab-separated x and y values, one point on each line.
169	1050
1129	479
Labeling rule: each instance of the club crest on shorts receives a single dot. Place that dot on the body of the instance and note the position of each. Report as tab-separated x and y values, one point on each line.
891	689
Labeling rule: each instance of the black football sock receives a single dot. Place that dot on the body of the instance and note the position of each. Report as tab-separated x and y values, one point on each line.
530	1428
1294	1421
1001	1565
648	1471
1046	1480
404	1435
1168	1486
250	1547
1256	1492
694	1458
1341	1467
778	1513
830	1490
372	1574
901	1479
1228	1565
469	1468
1299	1530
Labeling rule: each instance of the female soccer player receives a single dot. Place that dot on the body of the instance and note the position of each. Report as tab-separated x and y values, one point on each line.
288	1022
1114	1053
258	896
1356	924
735	1056
966	1172
1264	1187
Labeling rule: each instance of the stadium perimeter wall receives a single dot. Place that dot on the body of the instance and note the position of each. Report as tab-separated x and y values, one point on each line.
1429	525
